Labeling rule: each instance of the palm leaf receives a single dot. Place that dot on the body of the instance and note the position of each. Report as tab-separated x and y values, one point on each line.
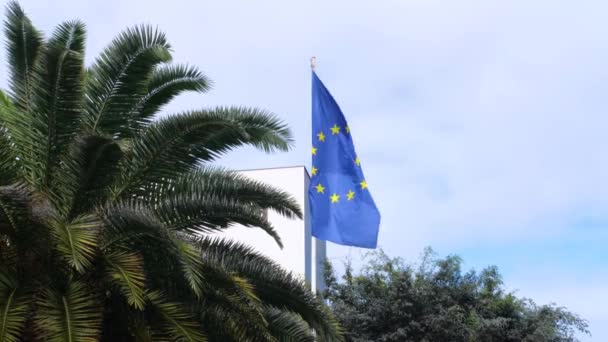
288	326
4	99
228	322
8	161
129	226
177	144
118	79
58	99
191	265
69	315
126	270
14	309
220	183
86	170
25	238
273	285
176	323
15	215
24	45
208	214
164	85
76	241
22	133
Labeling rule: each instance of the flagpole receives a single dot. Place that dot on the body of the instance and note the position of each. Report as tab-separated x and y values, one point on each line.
313	63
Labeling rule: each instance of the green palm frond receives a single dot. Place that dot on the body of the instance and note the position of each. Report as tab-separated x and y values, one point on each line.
208	214
191	265
220	183
58	97
25	237
227	322
87	169
69	315
8	160
132	227
118	79
208	200
177	144
175	323
14	307
23	133
14	214
273	285
24	44
129	226
165	84
4	99
126	271
77	240
288	326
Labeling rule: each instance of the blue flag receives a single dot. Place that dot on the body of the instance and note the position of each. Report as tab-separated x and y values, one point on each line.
342	208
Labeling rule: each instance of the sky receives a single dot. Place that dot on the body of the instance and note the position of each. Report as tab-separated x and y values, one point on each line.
481	125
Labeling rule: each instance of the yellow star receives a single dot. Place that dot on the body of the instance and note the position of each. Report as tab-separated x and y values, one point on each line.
321	136
358	161
335	130
351	195
314	151
320	188
314	171
335	198
363	185
347	129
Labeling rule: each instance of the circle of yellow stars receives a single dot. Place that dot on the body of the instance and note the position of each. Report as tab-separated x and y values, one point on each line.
335	198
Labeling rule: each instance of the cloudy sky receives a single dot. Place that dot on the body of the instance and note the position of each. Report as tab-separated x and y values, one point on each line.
481	124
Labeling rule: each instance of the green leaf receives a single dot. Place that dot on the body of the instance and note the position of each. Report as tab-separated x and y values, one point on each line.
14	309
4	99
273	285
177	144
76	241
48	112
59	95
86	171
208	214
177	324
8	161
288	326
164	85
69	315
24	45
126	270
219	183
191	265
226	320
15	218
133	227
118	80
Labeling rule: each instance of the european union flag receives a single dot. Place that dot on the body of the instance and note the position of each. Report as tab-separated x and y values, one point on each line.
342	208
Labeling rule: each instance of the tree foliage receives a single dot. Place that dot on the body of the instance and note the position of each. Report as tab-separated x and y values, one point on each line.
390	301
107	215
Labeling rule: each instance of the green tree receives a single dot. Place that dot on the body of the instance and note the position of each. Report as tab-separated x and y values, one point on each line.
106	214
390	301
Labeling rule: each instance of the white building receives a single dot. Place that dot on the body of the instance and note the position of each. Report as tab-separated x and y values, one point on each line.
302	253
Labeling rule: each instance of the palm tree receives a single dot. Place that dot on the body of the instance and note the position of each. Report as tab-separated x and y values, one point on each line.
106	213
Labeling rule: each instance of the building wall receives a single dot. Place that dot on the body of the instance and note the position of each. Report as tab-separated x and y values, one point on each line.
302	254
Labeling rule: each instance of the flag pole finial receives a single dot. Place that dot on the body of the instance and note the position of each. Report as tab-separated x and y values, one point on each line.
313	62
